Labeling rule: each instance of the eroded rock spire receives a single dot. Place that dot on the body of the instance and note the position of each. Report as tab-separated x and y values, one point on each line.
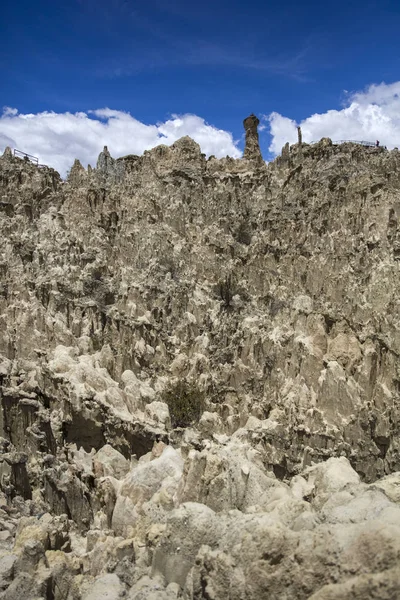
77	173
7	154
105	162
109	166
252	150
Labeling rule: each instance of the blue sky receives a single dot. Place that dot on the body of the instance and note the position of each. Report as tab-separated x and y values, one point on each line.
217	59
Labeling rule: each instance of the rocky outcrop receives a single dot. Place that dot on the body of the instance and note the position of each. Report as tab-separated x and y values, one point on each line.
109	167
252	148
199	375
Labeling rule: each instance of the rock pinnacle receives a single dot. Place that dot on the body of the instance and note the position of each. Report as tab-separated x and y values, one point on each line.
252	150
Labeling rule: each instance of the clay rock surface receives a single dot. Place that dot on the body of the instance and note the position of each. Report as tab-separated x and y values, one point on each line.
200	376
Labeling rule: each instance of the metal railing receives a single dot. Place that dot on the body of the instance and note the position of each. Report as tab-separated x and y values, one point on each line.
360	142
20	154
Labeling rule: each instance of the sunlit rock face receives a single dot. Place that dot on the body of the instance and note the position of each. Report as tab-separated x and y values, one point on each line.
200	376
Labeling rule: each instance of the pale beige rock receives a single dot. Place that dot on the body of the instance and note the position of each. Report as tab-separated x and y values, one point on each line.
378	586
268	290
109	462
159	413
106	587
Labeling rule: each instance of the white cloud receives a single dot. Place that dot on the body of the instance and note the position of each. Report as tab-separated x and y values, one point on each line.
58	138
9	112
373	114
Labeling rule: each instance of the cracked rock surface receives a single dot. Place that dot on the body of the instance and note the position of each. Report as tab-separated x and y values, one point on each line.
200	376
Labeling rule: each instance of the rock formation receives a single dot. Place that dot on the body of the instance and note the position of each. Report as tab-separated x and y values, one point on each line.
299	136
199	376
252	149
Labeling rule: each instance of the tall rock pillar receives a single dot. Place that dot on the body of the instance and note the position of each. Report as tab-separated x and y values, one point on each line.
252	150
105	162
300	143
108	166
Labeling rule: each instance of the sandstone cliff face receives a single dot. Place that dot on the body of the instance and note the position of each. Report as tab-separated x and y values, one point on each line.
271	293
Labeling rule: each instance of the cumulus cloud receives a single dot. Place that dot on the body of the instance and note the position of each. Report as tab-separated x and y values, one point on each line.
58	138
373	114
